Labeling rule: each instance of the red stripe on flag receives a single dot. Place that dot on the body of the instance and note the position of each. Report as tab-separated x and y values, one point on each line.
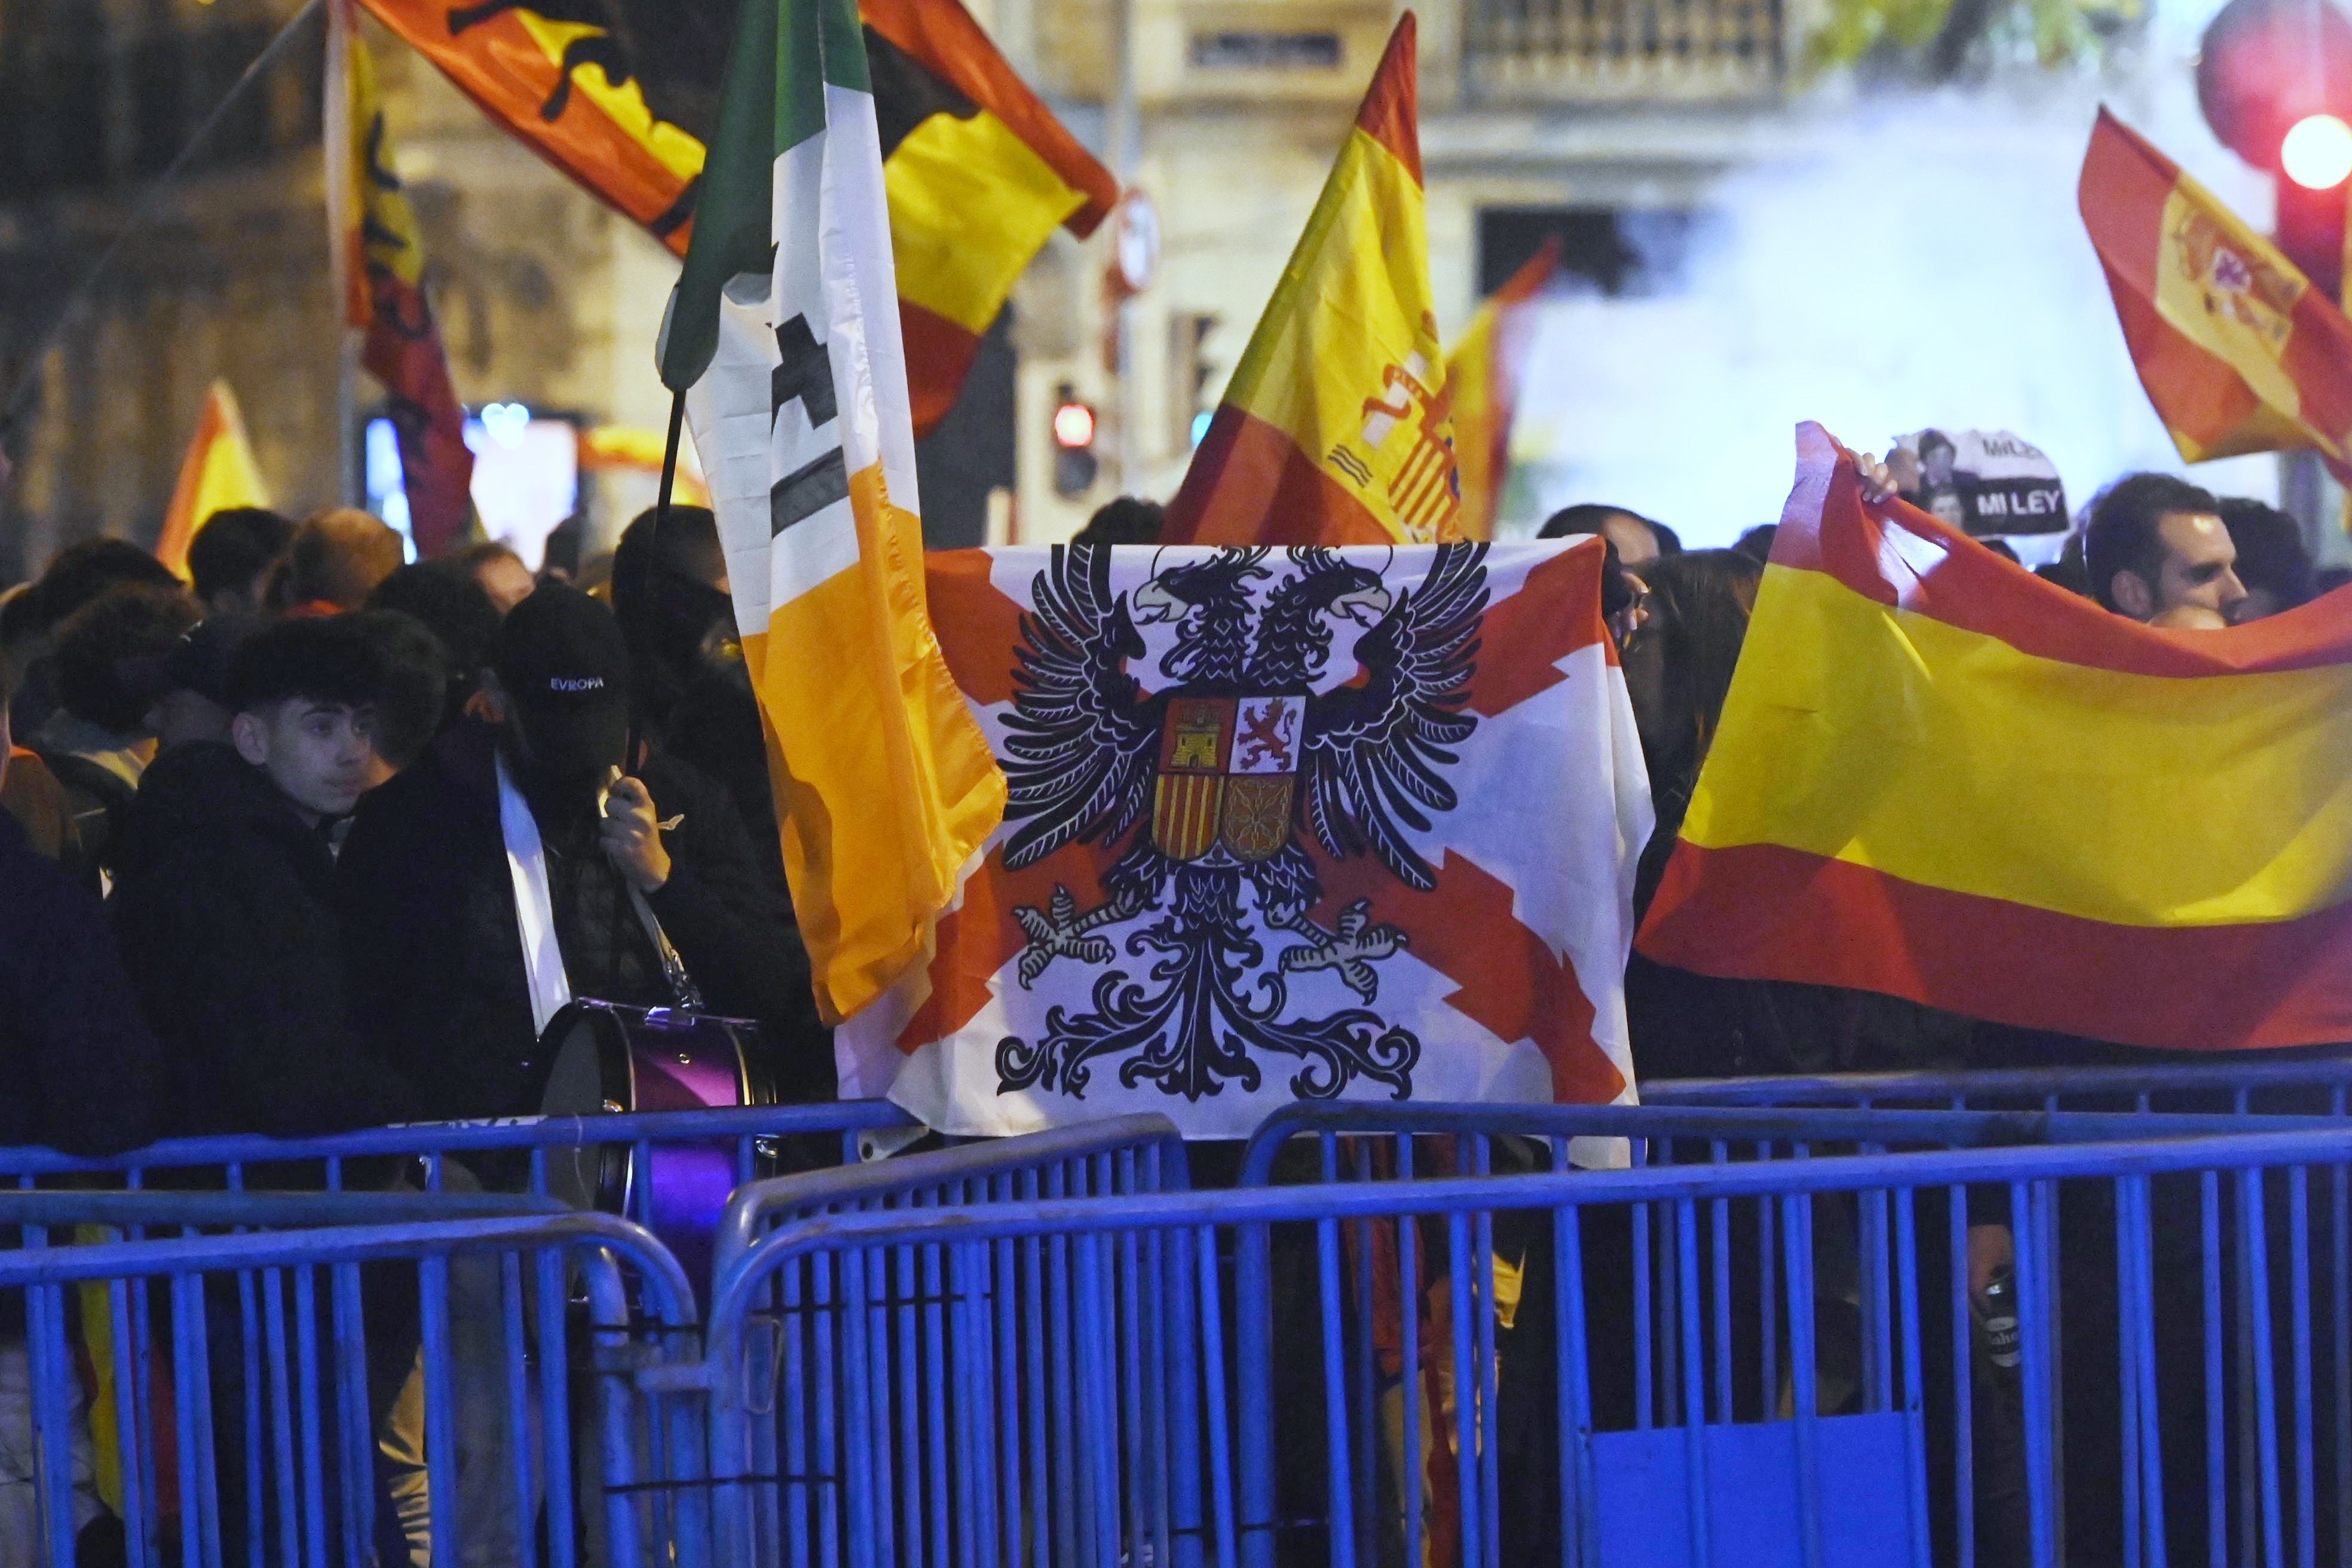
1303	504
1827	528
939	355
1523	638
1772	912
1391	113
977	624
1510	981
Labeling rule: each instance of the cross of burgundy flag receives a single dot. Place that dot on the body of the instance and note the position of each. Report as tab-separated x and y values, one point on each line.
1298	822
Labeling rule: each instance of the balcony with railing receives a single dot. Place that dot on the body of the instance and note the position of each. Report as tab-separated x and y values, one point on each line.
1620	51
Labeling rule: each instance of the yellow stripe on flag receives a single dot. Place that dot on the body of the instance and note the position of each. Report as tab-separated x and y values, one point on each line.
866	711
1947	758
969	204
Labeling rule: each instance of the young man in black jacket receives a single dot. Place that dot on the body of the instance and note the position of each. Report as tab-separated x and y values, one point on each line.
429	881
224	900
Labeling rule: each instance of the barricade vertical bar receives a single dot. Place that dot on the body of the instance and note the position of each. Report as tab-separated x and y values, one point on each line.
1964	1463
440	1413
2340	1327
280	1414
910	1406
48	1364
1470	1510
2217	1498
1694	1411
357	1444
1578	1545
554	1385
1162	1433
149	1538
314	1492
854	1496
958	1393
1253	1348
2129	1329
935	1414
2257	1250
1098	1321
1203	1251
1767	1292
1008	1387
883	1508
1797	1241
1131	1380
518	1412
825	1380
2038	1380
1906	1242
1870	1276
2249	1509
1359	1357
1066	1498
1410	1397
1719	1260
1483	1303
1038	1394
1341	1518
2307	1522
251	1386
2151	1415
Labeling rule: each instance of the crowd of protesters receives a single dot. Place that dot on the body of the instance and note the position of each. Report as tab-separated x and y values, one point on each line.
256	864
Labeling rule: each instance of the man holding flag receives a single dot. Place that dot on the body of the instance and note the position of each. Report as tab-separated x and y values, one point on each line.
783	341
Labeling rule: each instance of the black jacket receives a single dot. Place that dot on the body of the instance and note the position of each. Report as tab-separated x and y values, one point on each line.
436	956
224	904
80	1069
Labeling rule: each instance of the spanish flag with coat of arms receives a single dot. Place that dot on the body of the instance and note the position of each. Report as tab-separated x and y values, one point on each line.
1334	428
1940	777
2238	352
782	337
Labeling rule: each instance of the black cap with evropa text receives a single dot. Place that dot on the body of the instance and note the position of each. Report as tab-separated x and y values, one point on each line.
562	662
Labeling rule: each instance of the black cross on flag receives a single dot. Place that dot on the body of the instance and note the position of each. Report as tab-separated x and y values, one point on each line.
803	374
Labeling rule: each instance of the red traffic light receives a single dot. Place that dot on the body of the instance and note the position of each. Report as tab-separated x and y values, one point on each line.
1074	424
2316	153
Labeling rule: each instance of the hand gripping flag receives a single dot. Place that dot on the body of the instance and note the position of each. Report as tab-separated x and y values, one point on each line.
379	259
1334	428
218	473
1940	777
619	94
1283	824
1482	380
2238	352
783	336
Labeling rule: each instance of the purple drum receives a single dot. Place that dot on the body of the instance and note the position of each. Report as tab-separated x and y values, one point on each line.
606	1059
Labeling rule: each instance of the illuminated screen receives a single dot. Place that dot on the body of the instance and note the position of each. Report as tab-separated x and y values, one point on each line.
525	476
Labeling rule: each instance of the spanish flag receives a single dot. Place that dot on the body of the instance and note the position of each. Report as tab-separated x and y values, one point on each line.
1940	777
379	259
2238	352
979	171
218	472
1334	428
1482	379
797	393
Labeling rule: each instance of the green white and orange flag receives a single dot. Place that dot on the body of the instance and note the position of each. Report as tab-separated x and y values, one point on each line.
1334	428
218	473
2238	352
1482	380
1940	777
783	337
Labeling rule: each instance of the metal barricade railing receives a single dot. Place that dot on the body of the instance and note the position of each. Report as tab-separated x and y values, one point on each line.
2203	1387
270	1374
2233	1082
797	1443
234	1160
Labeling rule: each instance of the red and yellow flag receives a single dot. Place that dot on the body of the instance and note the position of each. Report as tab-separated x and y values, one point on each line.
2238	352
1940	777
378	257
1482	379
218	473
1335	427
979	173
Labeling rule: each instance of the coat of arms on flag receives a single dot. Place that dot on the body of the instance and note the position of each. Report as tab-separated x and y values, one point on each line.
1283	823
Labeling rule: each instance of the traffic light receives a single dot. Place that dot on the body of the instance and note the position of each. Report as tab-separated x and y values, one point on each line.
1074	444
2274	81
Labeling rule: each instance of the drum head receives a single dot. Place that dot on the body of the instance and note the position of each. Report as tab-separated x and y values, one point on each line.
587	1049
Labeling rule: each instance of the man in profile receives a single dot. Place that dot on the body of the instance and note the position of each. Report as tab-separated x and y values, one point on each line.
337	558
230	557
2157	552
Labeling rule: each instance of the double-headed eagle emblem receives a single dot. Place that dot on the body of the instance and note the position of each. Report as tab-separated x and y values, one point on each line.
1259	738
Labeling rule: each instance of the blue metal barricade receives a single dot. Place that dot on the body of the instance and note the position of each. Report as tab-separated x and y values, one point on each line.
2234	1082
262	1389
903	1409
2203	1385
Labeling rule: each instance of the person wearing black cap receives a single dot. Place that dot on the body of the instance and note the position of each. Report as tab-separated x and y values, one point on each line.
533	817
224	896
192	695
